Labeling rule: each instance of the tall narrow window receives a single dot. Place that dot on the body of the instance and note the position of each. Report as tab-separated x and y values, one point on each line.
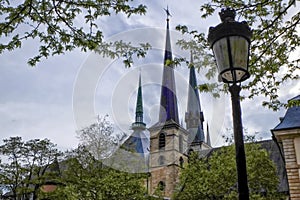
180	143
161	160
162	141
181	161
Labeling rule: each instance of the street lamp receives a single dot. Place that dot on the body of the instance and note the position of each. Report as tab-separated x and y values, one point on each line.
230	42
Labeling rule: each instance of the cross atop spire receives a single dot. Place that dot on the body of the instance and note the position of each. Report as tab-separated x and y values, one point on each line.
168	13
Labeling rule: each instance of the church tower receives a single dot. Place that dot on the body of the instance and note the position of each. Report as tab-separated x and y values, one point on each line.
139	137
168	140
194	116
138	143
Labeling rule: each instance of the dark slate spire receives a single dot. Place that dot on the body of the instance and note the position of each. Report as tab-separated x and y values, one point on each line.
194	116
168	101
193	94
139	124
208	141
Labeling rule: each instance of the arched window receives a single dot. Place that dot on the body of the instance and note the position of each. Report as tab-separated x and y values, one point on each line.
161	160
161	185
161	141
181	161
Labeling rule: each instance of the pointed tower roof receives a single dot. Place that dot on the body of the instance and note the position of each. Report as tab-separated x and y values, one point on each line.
139	124
194	116
199	135
168	101
208	141
193	93
138	142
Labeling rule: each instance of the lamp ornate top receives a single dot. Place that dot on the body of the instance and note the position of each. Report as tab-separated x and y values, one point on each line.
227	15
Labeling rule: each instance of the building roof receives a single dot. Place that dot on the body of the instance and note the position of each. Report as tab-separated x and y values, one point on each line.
292	117
276	157
138	142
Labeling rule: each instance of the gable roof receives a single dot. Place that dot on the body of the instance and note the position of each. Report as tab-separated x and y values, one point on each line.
291	119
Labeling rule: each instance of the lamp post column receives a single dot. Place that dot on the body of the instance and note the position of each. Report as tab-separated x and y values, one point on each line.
239	142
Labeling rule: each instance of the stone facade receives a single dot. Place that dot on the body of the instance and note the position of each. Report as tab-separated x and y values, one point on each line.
288	133
168	175
165	162
291	146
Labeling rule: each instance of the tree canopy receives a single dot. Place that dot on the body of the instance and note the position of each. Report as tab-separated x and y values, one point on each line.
87	178
275	43
63	25
27	167
100	139
215	177
24	164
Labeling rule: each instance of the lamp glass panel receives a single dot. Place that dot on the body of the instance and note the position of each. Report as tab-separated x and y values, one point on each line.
239	51
220	49
227	75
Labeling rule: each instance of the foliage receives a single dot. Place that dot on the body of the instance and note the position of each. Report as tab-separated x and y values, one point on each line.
99	138
63	25
87	178
215	177
30	165
24	166
275	42
87	174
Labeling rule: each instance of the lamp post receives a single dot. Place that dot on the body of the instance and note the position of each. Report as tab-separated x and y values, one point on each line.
230	42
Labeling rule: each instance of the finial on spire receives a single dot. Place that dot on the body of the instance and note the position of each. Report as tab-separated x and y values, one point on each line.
139	124
167	12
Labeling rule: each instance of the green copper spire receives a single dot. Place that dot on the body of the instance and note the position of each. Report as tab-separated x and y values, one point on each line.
139	108
139	103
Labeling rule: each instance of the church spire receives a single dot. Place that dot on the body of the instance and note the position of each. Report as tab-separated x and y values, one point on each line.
139	123
208	142
194	116
168	102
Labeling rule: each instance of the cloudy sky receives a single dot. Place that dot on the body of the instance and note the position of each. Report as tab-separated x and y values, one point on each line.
65	93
